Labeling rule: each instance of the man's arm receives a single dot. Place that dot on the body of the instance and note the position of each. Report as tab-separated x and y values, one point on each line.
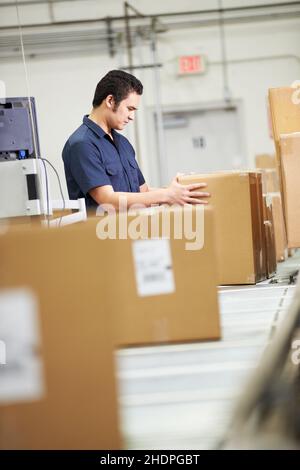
174	194
144	188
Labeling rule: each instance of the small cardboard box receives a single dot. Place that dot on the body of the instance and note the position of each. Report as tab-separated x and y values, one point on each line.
237	201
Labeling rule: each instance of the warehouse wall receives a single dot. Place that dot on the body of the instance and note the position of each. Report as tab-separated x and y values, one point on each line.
264	54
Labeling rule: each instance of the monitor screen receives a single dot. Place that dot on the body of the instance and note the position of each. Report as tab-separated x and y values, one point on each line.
16	132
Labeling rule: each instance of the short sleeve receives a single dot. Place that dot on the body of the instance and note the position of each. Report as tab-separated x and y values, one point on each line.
86	167
140	174
141	177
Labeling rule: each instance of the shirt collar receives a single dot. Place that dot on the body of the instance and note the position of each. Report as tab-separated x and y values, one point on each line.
93	126
116	135
98	130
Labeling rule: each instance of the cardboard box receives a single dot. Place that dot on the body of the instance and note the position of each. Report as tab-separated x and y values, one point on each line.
257	208
78	408
265	161
285	111
160	317
156	303
270	251
237	201
290	170
285	117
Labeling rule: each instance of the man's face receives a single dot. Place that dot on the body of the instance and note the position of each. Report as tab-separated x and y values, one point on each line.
125	112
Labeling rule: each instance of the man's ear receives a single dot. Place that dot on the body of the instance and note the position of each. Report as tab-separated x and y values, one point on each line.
110	102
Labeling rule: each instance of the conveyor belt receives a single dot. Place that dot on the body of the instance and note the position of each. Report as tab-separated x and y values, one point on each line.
182	396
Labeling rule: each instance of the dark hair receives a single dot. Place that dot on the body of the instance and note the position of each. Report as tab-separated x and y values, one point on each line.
117	83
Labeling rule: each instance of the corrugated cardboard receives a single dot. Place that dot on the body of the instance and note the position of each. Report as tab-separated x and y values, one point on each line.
237	204
190	313
163	318
257	210
79	408
285	111
290	166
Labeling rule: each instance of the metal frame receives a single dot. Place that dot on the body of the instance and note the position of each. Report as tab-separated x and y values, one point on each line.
214	11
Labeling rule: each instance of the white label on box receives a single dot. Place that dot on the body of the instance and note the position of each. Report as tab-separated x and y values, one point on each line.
153	267
21	373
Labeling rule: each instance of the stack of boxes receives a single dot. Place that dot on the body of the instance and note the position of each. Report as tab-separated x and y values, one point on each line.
236	198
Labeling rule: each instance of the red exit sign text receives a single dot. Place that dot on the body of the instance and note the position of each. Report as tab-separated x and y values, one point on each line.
191	64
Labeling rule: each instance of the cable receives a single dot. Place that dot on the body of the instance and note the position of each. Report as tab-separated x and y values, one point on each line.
60	187
47	190
59	182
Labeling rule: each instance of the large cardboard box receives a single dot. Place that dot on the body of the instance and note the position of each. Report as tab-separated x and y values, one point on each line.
285	117
163	292
77	407
290	168
237	201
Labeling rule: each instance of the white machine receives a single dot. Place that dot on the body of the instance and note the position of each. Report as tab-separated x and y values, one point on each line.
24	186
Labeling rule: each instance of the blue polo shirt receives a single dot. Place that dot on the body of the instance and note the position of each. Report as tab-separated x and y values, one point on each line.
91	158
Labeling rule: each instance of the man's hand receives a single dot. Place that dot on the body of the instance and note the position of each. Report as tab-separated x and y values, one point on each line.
174	194
186	194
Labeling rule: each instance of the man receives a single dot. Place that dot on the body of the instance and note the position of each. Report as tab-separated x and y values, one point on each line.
100	163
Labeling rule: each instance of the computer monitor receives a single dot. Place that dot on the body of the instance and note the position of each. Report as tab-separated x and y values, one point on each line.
17	133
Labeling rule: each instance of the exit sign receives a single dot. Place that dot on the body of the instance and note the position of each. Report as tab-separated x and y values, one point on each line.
191	64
